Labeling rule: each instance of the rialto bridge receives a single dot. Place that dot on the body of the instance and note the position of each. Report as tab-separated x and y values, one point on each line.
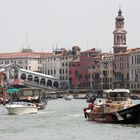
13	71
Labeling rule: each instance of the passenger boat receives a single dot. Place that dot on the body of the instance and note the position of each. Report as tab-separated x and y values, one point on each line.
119	110
21	108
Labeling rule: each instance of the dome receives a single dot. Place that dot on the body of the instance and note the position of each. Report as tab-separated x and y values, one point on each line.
119	18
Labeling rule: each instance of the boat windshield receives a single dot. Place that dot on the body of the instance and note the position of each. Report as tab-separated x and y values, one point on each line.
117	95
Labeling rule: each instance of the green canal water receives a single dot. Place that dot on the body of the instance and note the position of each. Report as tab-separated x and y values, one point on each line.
62	120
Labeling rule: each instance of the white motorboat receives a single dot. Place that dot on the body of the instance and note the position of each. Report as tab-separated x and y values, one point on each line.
21	108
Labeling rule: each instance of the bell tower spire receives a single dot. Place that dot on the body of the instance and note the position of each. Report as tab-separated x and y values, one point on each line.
119	34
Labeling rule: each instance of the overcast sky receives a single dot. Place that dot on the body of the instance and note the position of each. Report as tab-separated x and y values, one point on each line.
44	24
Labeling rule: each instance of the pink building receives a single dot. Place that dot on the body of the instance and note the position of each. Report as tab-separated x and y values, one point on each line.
74	69
94	72
79	69
85	63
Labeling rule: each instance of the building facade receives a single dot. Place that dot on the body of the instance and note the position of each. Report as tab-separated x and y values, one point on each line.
121	69
106	71
84	70
26	59
57	65
93	72
74	72
134	73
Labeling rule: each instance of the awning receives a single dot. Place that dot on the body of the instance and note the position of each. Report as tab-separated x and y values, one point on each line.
13	90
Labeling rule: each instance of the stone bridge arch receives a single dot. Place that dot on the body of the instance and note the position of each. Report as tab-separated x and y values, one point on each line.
23	76
12	71
36	79
30	77
40	79
49	83
56	84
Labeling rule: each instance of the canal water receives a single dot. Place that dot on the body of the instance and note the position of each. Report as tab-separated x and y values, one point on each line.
62	120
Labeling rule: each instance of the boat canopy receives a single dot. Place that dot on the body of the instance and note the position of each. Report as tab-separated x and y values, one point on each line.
116	90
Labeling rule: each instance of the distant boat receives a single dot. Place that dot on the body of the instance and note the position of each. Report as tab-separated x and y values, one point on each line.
134	97
18	108
68	97
117	110
42	105
80	96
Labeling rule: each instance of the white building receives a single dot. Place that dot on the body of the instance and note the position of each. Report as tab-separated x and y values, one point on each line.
26	59
134	67
57	65
106	71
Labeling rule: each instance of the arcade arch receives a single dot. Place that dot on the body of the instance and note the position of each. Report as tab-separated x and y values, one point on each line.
42	81
30	78
55	84
49	83
23	76
36	79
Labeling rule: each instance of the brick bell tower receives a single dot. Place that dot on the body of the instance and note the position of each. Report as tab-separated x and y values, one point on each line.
119	34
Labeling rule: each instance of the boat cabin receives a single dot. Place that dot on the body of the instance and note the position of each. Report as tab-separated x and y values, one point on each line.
117	94
29	93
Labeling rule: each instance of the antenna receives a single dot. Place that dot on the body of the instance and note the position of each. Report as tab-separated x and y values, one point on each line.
42	47
21	48
53	46
56	45
87	43
28	46
27	40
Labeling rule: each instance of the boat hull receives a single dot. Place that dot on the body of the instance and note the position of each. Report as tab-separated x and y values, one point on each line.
129	115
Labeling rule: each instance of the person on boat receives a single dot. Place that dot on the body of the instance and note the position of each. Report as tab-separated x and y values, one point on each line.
93	98
89	109
85	112
91	106
108	100
29	98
